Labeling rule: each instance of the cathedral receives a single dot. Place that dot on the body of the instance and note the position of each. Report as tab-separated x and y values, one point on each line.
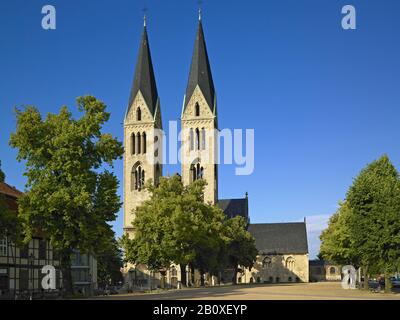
143	147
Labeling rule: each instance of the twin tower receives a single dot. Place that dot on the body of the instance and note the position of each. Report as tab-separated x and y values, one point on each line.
143	125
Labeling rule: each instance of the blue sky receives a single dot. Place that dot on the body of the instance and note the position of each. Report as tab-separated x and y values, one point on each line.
324	102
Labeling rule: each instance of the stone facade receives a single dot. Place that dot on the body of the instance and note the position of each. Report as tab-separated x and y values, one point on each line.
277	269
199	144
148	156
321	270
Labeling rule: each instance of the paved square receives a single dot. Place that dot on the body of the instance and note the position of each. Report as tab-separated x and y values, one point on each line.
295	291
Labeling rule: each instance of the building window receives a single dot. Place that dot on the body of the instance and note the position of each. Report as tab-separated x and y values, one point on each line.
24	252
332	270
138	114
3	247
197	172
197	147
290	279
133	143
42	249
138	177
290	263
203	139
191	138
138	143
23	279
144	141
267	263
258	280
156	146
197	107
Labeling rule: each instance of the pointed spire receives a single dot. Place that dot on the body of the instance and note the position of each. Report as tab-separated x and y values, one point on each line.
200	70
144	79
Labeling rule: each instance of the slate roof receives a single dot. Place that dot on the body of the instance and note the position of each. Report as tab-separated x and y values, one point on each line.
200	70
280	238
235	207
144	79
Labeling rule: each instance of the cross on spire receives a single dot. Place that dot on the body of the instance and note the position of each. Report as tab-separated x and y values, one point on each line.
200	2
144	16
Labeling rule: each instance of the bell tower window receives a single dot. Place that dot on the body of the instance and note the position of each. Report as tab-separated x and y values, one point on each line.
197	110
138	114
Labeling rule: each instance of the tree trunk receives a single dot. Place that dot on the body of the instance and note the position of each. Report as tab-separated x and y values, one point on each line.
235	272
68	288
201	277
183	274
388	283
366	284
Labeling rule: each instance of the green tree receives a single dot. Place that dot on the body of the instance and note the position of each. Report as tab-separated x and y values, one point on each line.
336	239
109	264
240	247
374	199
71	198
176	226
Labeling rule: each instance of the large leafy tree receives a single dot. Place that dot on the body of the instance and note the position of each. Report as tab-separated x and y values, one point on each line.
336	240
374	199
240	249
70	197
176	226
109	264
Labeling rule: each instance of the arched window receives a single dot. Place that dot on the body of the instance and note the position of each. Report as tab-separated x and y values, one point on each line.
203	139
133	142
144	141
138	177
138	114
267	262
197	139
196	172
156	146
332	270
197	110
138	143
191	137
290	263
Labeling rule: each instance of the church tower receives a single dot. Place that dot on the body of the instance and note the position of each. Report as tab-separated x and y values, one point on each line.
142	135
199	122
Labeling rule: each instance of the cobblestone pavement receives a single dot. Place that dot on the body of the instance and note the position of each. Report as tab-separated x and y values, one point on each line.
298	291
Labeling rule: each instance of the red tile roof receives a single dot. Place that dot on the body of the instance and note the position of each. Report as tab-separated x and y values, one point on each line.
9	190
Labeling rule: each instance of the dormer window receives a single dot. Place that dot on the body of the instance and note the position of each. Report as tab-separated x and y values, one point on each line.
138	114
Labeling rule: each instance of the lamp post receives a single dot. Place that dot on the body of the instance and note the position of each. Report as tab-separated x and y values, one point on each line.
187	276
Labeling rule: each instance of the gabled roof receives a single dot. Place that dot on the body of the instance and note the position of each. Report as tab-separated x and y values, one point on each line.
11	194
280	238
200	71
8	190
144	79
234	207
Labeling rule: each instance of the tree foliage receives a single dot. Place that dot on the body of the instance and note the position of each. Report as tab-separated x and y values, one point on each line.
366	230
176	226
240	247
70	198
109	264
